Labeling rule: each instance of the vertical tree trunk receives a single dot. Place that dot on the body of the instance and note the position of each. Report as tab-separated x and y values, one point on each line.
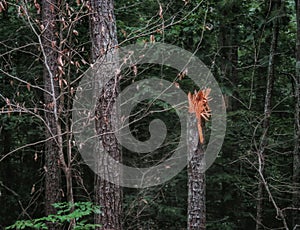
196	179
52	171
64	106
104	41
229	54
267	115
234	59
228	42
296	160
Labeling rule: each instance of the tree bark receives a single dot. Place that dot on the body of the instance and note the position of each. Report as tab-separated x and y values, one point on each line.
267	115
296	160
49	47
196	179
104	46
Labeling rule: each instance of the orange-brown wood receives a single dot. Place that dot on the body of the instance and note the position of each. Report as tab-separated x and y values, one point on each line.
198	104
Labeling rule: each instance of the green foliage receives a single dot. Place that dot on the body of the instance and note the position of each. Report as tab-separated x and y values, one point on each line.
219	26
66	212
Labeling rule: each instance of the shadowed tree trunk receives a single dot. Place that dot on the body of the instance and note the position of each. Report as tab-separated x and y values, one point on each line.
196	179
228	42
104	41
229	52
267	114
49	47
296	160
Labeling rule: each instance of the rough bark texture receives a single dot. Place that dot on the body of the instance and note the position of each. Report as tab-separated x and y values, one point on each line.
296	171
103	28
266	121
52	171
104	39
196	179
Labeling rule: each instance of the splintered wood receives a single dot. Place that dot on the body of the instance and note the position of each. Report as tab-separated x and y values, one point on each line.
198	104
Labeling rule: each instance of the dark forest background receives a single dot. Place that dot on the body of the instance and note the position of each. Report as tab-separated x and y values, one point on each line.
251	49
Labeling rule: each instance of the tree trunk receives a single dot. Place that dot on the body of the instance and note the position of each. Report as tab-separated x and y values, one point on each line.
52	171
229	55
266	121
196	179
104	41
296	160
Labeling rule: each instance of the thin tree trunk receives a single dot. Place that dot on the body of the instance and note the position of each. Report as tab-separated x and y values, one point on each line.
234	59
104	41
266	121
229	55
229	69
196	179
65	162
296	160
52	171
